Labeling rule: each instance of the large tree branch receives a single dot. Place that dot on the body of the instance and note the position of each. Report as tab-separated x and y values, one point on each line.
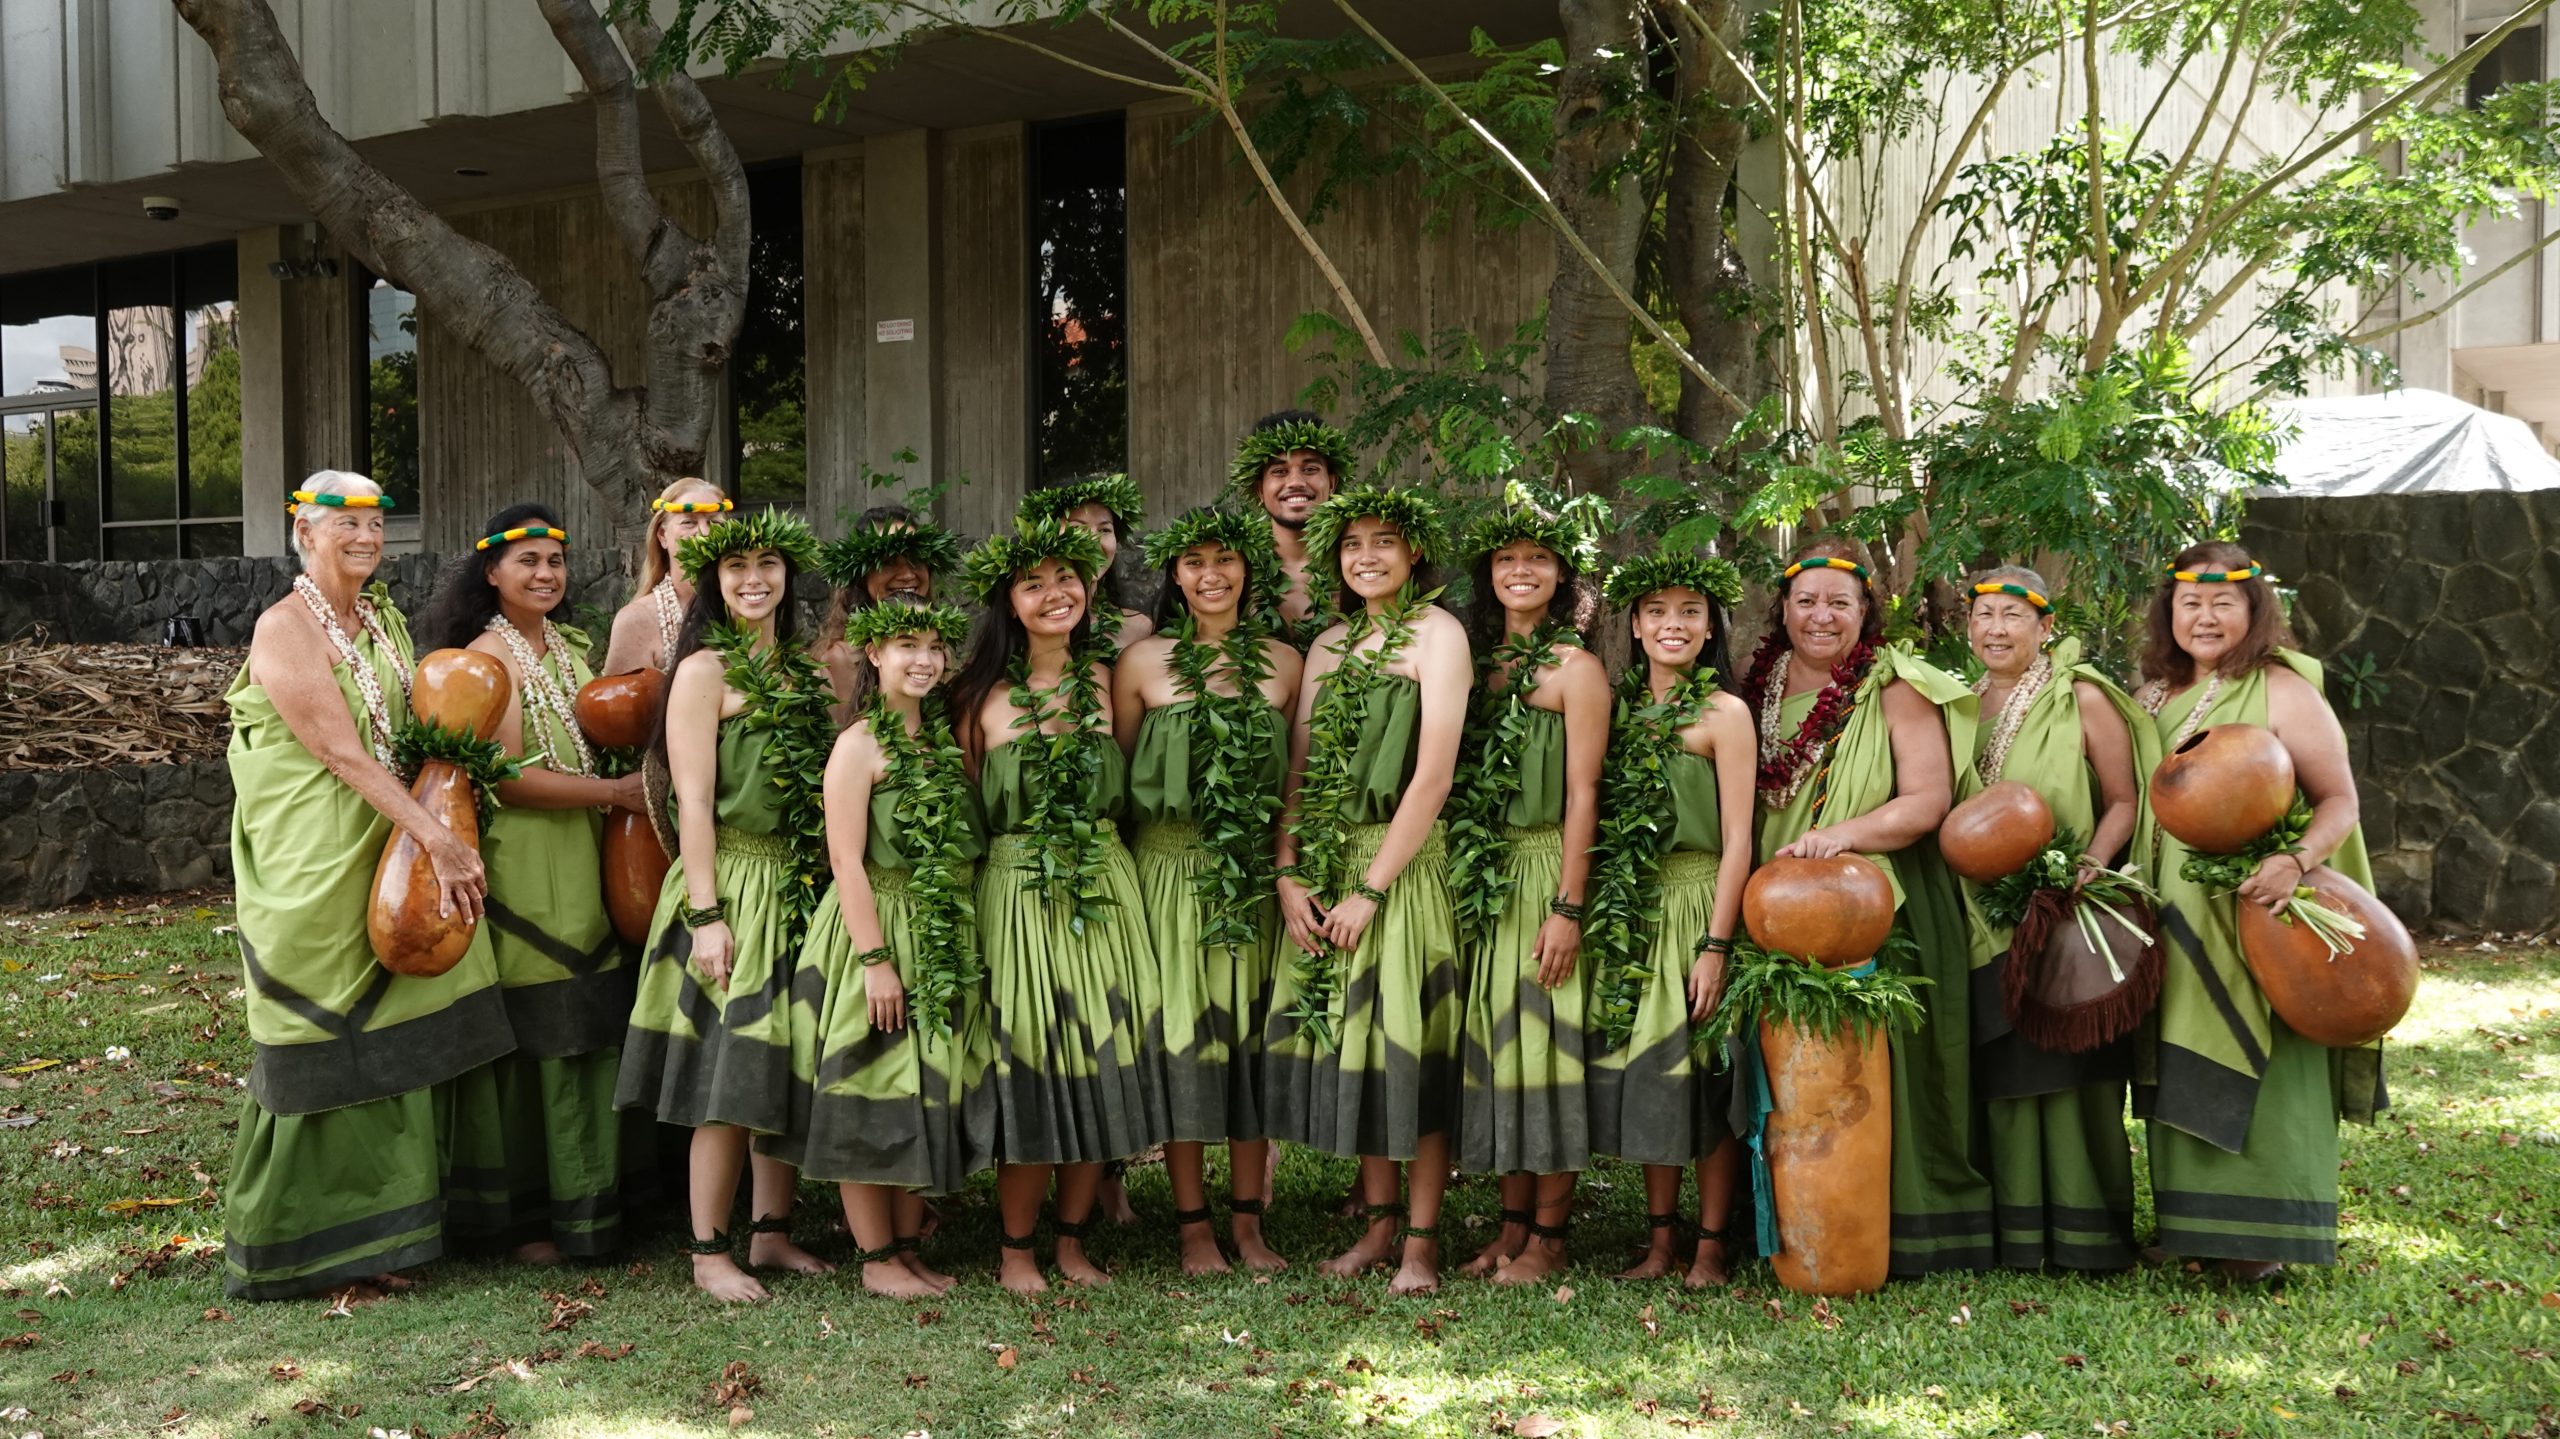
620	175
699	130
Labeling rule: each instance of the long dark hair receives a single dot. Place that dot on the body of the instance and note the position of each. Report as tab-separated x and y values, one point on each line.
1574	605
1715	654
994	641
707	610
465	599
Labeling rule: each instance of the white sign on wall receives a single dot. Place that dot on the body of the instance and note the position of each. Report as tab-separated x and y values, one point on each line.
890	331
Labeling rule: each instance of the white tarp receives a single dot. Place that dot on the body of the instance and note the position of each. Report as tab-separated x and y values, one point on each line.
2407	442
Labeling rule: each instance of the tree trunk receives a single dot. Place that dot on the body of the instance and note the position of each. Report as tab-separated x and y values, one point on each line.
1589	369
1710	285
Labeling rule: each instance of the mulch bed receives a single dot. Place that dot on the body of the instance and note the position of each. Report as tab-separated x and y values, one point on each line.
96	706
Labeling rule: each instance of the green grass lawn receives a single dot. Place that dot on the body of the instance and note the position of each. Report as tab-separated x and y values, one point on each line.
123	1034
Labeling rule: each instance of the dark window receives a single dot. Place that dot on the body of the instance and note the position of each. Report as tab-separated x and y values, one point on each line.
386	340
1079	296
2516	60
768	371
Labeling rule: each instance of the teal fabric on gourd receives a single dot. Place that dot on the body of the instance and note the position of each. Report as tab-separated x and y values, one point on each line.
1655	1100
1216	1000
1395	1075
906	1107
698	1053
1078	1074
337	1170
1524	1105
2244	1112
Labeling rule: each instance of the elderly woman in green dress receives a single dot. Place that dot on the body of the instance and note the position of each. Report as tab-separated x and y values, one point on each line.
1523	816
2061	1169
1362	1049
336	1176
2244	1112
745	738
1203	708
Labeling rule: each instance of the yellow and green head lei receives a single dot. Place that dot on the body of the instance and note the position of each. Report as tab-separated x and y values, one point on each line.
1669	569
347	502
994	563
521	532
867	548
1247	535
1116	493
766	529
2041	604
1261	447
869	626
1413	513
720	506
2218	577
1569	542
1826	562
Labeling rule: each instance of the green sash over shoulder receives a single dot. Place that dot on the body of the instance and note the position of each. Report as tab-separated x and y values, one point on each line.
330	1026
2214	1034
1861	759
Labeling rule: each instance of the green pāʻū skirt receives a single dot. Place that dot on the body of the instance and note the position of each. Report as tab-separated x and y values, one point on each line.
1395	1075
1654	1100
536	1152
2277	1198
1215	1000
907	1107
1076	1076
319	1201
1526	1106
698	1053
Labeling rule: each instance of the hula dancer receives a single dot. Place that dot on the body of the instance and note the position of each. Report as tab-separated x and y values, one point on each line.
1522	819
1666	902
537	1149
336	1176
890	1047
1362	1053
1109	508
889	557
1203	705
1071	971
745	739
645	628
2061	1170
1287	465
2244	1112
1854	741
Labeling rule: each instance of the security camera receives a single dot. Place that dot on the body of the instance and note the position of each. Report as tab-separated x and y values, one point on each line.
160	207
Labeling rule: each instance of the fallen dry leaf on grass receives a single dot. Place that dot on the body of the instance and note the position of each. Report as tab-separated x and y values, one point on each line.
1537	1426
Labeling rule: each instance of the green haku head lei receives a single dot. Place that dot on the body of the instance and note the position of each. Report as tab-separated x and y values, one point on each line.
1410	511
1116	493
864	550
1261	447
1567	541
870	625
994	563
766	529
1247	535
1673	569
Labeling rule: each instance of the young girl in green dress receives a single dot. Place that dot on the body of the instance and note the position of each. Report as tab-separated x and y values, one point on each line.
1071	969
1109	508
1362	1053
1203	707
891	1045
745	735
1523	817
1666	901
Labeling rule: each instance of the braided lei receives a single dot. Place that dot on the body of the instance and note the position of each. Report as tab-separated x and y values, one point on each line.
1785	764
1635	826
1489	776
790	702
931	788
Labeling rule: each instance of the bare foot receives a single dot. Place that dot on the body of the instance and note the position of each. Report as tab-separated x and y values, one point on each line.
1535	1261
1075	1268
916	1266
776	1251
1200	1253
1251	1252
719	1276
1655	1263
1500	1252
1111	1201
1376	1243
1019	1271
1420	1272
894	1280
1713	1268
541	1251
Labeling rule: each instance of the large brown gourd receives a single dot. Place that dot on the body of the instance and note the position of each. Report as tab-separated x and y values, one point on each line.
2341	1001
2223	788
1996	833
461	691
618	712
1838	911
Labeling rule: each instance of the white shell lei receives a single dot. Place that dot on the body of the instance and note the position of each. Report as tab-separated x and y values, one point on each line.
1773	704
2013	714
670	620
2156	694
541	694
368	685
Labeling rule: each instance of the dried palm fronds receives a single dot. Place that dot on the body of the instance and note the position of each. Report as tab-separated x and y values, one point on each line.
93	706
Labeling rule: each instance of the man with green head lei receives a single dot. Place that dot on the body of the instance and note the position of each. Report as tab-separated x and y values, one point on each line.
890	556
1109	508
1290	462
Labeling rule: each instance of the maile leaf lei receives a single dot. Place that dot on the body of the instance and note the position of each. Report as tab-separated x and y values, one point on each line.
482	761
1636	823
1064	861
789	702
1333	743
1489	776
929	795
1232	737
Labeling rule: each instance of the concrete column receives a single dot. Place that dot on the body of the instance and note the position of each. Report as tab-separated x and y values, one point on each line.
901	213
270	394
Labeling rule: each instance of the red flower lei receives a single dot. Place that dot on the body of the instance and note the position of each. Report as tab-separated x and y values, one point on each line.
1778	773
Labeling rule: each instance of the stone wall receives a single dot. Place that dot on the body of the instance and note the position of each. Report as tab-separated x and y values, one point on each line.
96	602
2456	598
133	829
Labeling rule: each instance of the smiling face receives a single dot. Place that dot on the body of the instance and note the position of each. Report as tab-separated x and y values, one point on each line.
2006	633
1825	609
1376	561
675	529
1097	519
341	540
1525	575
910	665
531	576
898	577
1673	626
1048	599
2208	621
1211	578
1293	485
754	584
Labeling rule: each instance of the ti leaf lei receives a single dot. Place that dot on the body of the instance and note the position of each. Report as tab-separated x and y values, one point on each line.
482	761
930	788
789	702
1064	865
1489	776
1636	822
2223	873
1333	743
1232	736
1767	987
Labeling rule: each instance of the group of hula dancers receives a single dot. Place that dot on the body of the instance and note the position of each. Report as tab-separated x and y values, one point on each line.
1300	855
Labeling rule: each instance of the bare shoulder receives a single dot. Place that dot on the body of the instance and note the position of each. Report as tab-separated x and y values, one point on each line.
1576	665
1286	662
1100	673
1728	706
1147	656
2283	684
703	667
490	642
1436	622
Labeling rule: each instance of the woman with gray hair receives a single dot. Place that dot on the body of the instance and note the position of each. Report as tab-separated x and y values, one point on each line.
336	1181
